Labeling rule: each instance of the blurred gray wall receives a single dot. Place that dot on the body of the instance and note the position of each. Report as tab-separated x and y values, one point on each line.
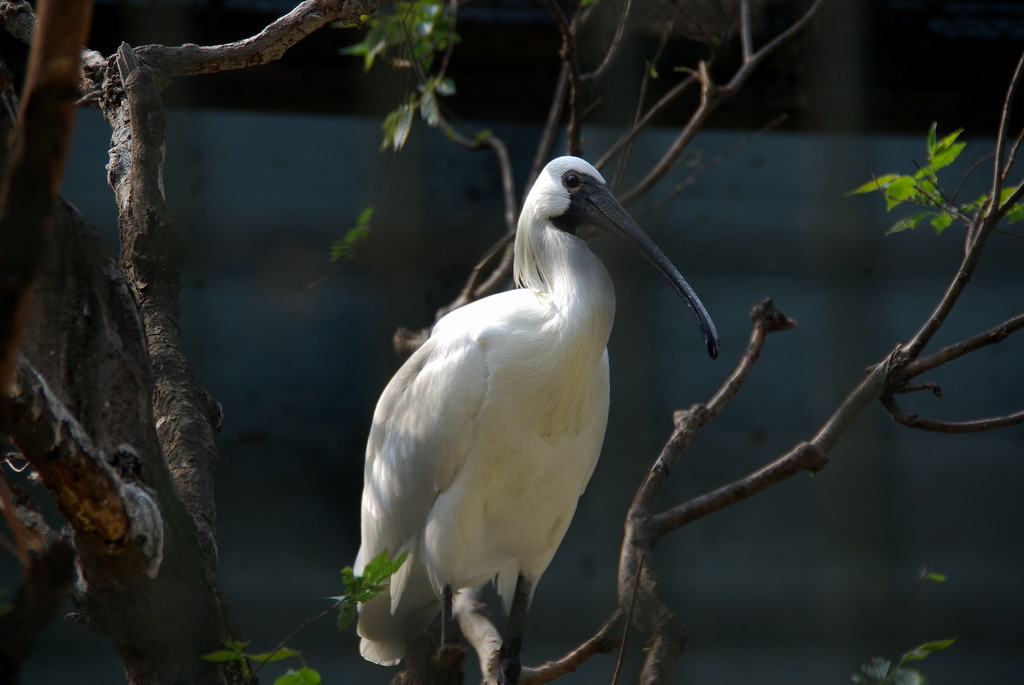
799	584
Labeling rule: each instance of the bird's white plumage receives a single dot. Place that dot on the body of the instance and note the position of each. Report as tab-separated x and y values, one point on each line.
486	437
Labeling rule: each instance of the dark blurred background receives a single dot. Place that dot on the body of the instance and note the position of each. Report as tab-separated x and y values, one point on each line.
266	167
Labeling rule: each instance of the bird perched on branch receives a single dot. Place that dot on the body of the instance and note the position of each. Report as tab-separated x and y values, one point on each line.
484	440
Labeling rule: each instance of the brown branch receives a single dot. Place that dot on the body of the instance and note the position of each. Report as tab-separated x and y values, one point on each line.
1004	121
86	489
540	157
993	336
44	587
613	47
712	96
806	456
664	101
607	638
266	46
973	426
151	258
570	58
38	155
767	319
19	19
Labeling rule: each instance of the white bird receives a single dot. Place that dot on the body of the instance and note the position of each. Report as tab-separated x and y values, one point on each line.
485	439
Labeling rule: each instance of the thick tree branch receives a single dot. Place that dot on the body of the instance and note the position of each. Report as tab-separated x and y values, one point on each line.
38	155
37	602
98	504
265	47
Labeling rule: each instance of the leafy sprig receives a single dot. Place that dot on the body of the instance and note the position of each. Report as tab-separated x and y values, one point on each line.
409	34
922	188
358	589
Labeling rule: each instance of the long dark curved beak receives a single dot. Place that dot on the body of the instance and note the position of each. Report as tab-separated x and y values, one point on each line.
594	204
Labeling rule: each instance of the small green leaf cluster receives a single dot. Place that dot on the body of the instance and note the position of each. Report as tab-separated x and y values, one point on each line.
375	579
410	34
345	248
880	671
923	189
404	30
235	650
398	122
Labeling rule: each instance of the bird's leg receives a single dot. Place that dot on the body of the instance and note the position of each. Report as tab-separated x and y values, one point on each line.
447	632
509	664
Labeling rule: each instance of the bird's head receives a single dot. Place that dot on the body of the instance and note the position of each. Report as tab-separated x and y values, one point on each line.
570	194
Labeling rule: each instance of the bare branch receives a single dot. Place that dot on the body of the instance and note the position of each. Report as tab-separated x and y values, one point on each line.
151	258
1004	121
973	426
745	39
994	335
806	456
547	138
663	102
712	96
570	57
38	155
613	47
19	19
37	602
90	495
266	46
767	319
607	638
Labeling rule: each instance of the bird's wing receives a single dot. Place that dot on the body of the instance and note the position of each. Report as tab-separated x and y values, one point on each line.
423	428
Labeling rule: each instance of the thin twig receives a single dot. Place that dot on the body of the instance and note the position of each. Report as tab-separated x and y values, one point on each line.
570	57
745	38
621	659
613	48
291	636
1004	122
994	335
973	426
712	96
716	160
547	138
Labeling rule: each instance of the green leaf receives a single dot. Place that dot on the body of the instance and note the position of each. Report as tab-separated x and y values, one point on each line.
397	125
303	676
363	588
1016	213
874	184
429	109
484	135
1005	194
948	156
900	190
876	667
941	222
346	247
931	139
445	87
906	223
921	652
906	676
946	142
936	577
271	657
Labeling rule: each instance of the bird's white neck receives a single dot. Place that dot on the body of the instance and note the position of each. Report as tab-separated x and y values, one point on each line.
562	270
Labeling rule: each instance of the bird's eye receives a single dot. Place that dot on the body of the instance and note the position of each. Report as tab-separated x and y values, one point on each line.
571	180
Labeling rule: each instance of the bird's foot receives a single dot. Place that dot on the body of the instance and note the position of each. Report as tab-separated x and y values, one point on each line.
509	666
